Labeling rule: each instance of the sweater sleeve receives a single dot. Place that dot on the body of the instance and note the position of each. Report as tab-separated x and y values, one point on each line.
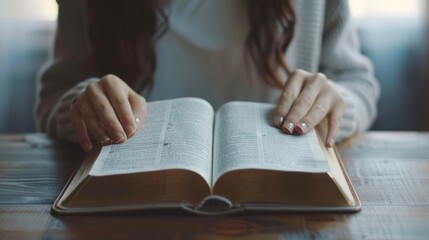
66	74
350	72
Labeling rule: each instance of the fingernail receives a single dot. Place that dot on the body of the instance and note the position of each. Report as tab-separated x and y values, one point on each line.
130	130
301	127
279	121
119	138
137	119
331	142
105	140
288	127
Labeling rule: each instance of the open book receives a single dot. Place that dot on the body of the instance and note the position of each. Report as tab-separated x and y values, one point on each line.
187	156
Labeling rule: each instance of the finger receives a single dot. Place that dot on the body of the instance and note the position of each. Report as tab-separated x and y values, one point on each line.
317	113
287	98
334	120
105	114
139	108
118	97
301	107
91	121
80	130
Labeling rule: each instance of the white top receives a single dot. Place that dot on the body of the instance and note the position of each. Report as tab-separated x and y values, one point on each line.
203	54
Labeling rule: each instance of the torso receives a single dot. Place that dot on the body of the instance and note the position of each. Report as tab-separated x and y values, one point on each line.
203	54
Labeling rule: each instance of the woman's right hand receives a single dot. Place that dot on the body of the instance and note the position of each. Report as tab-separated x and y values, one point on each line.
108	110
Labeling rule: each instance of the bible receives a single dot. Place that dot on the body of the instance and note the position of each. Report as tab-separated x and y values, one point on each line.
187	156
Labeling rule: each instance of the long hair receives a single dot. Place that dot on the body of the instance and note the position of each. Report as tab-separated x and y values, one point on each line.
122	37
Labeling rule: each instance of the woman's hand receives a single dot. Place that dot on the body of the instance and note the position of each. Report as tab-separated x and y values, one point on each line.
306	100
108	110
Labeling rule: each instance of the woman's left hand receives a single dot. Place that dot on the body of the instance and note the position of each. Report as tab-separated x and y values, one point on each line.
306	100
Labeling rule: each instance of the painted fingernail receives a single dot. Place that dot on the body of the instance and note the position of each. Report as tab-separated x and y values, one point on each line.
119	138
331	142
105	140
279	121
288	127
130	130
301	127
137	119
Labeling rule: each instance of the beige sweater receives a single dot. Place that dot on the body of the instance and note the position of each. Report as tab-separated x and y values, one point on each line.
324	41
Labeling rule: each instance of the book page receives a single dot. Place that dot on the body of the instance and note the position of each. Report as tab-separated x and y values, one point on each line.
245	138
175	134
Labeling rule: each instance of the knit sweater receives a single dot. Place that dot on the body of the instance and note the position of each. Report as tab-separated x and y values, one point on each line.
324	41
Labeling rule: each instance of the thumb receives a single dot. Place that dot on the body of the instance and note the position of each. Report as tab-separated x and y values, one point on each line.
139	108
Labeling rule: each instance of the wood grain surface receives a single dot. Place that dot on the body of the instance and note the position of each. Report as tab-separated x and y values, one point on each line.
390	171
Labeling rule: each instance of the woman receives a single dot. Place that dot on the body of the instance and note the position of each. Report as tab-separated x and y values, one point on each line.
112	56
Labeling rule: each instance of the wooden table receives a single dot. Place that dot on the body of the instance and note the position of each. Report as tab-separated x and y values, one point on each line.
390	171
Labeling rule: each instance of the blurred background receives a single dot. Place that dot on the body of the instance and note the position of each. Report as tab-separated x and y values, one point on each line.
394	35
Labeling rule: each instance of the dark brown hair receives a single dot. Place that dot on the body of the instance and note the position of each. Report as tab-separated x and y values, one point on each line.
122	36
